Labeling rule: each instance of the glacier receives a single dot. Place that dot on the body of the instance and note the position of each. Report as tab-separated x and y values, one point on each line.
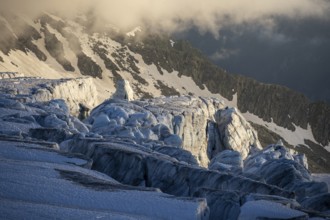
178	157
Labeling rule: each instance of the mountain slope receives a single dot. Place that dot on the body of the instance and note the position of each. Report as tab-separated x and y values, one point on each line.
154	65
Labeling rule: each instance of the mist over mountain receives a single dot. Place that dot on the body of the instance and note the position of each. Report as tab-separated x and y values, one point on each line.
291	52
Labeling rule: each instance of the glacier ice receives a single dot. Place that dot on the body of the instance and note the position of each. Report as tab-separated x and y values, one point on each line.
170	157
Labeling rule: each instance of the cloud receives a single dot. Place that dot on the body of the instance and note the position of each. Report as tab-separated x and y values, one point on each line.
174	16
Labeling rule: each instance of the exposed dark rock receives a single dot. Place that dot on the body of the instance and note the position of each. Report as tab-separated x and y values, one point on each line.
108	63
166	90
85	64
25	34
318	157
285	106
88	67
267	137
319	118
56	50
125	60
25	41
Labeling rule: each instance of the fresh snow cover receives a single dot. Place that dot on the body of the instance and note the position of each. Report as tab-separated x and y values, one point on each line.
33	152
41	183
294	138
182	84
17	209
134	31
28	64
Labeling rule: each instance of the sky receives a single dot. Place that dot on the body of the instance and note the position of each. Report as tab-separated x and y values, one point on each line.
277	41
295	54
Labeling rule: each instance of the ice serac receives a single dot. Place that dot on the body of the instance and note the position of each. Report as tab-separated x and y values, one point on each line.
276	162
117	158
202	126
173	121
139	143
235	132
227	160
123	91
75	92
32	169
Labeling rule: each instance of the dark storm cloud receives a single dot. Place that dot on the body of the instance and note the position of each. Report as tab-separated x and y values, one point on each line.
294	53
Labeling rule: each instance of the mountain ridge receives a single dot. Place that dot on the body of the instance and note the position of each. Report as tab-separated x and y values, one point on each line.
155	65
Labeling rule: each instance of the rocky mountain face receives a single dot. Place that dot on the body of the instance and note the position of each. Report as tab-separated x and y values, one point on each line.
156	65
279	104
180	157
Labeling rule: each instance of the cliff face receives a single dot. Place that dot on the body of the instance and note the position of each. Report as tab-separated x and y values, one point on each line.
319	118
